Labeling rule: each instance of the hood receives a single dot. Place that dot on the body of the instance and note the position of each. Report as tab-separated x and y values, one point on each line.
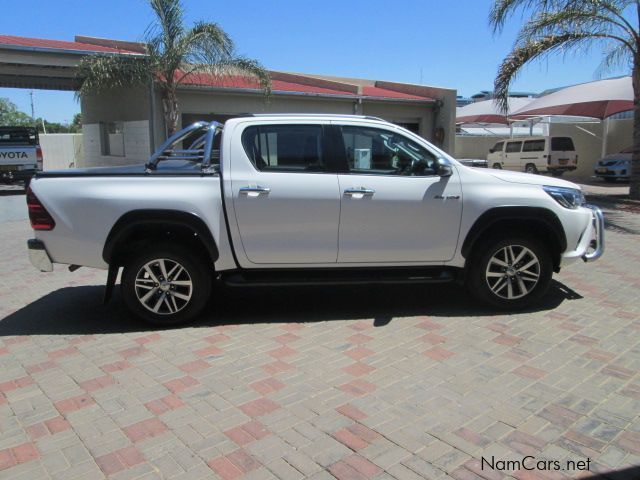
529	178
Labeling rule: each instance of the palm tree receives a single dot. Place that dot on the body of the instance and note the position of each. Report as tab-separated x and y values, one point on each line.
173	54
559	26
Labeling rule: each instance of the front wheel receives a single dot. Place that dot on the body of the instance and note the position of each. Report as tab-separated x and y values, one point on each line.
531	168
497	166
511	272
166	285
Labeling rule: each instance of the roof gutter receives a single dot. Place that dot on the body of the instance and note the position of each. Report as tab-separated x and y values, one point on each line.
306	94
64	50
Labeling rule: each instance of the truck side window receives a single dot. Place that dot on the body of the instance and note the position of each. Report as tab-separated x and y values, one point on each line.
284	148
381	152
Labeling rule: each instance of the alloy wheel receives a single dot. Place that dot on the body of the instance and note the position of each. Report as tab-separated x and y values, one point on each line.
512	272
163	286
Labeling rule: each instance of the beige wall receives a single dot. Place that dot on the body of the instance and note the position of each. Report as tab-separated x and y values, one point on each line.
61	150
468	146
619	135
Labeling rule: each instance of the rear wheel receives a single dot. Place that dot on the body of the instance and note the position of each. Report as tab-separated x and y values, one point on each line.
530	168
511	272
166	285
497	166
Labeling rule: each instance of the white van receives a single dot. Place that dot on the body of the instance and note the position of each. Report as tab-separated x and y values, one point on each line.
555	155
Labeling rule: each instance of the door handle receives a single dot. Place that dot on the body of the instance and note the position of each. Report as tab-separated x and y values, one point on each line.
363	192
254	191
448	197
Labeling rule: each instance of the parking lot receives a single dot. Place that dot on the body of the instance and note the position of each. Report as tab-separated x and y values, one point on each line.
348	382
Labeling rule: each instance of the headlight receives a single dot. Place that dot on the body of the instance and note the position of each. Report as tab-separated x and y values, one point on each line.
567	197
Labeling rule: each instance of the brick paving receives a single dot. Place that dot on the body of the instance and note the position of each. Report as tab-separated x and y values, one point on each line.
352	383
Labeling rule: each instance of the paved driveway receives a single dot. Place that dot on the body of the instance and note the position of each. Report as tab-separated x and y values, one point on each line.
385	382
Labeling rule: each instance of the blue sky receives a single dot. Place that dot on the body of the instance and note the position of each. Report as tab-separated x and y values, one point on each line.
444	43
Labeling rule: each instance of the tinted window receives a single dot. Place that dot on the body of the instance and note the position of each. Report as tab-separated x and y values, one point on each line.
533	146
284	148
498	147
18	136
381	152
562	144
513	147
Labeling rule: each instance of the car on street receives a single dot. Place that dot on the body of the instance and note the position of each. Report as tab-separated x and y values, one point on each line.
307	199
615	166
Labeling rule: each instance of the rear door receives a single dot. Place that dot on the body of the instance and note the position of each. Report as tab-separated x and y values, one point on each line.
533	152
285	199
512	159
562	153
394	208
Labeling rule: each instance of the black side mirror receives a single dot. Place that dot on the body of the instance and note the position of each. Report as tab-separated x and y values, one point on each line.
491	150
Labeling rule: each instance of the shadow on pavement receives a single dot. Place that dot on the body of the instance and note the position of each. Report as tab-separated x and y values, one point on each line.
631	473
79	310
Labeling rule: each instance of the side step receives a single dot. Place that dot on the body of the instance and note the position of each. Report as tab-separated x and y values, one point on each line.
328	276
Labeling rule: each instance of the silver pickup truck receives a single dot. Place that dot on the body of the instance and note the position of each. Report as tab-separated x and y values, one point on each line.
20	154
307	199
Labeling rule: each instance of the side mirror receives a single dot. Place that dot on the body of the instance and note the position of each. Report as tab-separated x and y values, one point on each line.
444	169
491	150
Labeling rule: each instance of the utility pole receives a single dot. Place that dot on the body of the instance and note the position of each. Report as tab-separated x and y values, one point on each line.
33	110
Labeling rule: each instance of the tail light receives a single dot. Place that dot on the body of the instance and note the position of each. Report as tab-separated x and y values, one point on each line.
39	158
40	218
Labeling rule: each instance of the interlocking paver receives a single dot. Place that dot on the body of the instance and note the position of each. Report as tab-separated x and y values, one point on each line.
319	384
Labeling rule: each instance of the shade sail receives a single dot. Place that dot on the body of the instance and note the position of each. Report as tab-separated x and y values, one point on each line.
599	99
488	111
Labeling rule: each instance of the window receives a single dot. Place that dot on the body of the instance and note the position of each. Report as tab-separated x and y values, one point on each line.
381	152
533	146
561	144
513	147
284	148
497	147
112	139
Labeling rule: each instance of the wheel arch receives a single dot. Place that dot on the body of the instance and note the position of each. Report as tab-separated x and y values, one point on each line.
138	226
537	221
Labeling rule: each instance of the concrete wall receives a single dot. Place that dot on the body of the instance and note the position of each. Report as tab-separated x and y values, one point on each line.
61	150
468	146
619	135
136	145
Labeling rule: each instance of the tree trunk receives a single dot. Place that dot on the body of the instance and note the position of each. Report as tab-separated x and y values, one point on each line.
634	184
170	109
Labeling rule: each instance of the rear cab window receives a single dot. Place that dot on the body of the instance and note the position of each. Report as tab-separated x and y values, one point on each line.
18	136
513	147
562	144
285	148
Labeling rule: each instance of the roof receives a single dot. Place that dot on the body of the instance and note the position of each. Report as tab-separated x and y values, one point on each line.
60	45
281	86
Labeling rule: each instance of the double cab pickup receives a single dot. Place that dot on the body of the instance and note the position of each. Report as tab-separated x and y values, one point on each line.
307	199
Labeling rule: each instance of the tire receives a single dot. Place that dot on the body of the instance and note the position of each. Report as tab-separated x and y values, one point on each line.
557	173
494	289
172	300
610	179
530	168
497	166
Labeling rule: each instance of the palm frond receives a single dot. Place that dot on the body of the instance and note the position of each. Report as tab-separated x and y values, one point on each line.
207	43
615	57
233	66
502	10
101	73
170	20
522	55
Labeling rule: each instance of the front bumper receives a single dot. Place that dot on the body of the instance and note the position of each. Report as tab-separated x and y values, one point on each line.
38	255
596	245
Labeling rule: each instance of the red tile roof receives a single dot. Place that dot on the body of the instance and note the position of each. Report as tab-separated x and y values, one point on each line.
57	45
384	93
203	79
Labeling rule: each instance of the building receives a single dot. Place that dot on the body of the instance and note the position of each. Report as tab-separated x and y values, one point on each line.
125	126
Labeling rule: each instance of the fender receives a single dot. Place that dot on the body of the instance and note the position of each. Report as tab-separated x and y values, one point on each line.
132	221
532	215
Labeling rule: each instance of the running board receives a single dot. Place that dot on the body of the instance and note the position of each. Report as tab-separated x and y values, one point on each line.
255	278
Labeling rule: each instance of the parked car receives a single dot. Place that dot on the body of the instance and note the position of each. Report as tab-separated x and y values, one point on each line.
615	166
554	155
473	162
307	199
20	154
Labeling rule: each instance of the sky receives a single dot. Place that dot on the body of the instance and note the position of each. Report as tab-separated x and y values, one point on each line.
433	42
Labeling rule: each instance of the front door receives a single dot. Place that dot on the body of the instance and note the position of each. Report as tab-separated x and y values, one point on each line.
394	207
286	207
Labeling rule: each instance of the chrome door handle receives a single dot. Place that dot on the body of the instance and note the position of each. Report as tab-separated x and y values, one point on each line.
365	192
254	191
